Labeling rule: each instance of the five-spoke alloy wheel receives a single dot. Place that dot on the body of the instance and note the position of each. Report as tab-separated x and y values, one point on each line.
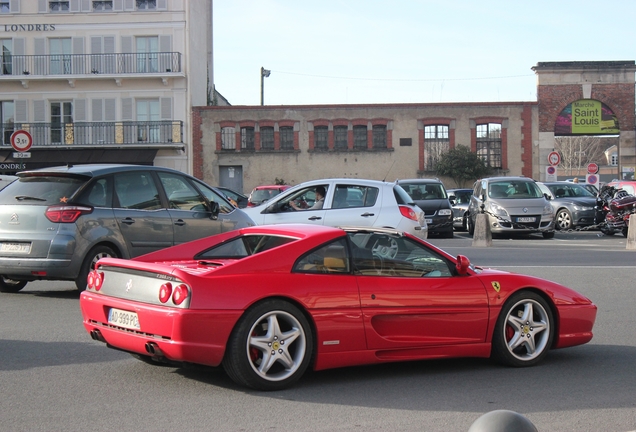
524	331
270	347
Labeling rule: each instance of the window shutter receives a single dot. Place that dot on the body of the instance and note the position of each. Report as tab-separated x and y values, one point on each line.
126	44
14	6
129	5
110	110
78	60
109	45
162	4
166	108
79	110
40	63
165	43
97	113
21	111
118	5
74	6
43	6
19	46
96	44
19	62
86	6
40	46
39	111
127	109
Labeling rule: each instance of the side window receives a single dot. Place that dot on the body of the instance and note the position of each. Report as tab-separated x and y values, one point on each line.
244	246
224	206
98	194
181	194
354	196
304	199
137	190
331	258
375	254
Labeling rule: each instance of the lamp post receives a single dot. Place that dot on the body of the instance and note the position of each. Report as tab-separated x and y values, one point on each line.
264	74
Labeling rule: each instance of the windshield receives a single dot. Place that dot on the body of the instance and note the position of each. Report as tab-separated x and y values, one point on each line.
41	190
514	189
264	194
569	191
424	191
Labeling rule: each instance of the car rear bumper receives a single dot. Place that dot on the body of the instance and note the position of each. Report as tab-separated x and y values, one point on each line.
39	268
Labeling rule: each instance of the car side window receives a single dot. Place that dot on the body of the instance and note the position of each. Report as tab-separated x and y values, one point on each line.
241	247
354	196
331	258
97	194
379	254
137	190
181	194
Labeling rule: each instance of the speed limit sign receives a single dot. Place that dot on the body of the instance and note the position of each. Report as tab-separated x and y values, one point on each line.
554	158
21	140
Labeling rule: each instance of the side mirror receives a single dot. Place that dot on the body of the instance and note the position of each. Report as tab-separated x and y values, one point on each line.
463	263
548	197
452	200
214	210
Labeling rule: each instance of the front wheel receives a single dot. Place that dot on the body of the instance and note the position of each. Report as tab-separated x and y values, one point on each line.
11	285
524	331
94	255
563	220
270	348
471	227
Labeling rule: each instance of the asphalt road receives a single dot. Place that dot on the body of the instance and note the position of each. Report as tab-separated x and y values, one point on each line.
54	377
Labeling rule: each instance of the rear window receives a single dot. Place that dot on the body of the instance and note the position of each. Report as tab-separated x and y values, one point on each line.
41	190
401	196
244	246
259	195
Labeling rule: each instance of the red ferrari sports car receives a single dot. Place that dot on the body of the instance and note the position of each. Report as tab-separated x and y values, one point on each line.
268	302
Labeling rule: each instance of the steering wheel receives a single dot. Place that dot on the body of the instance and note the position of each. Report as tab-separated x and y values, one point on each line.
386	251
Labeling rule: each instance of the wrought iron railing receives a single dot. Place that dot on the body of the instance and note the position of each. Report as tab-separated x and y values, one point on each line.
152	133
87	64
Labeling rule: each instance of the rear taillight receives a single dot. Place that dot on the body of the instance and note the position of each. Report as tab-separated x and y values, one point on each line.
165	292
65	214
95	280
408	213
180	294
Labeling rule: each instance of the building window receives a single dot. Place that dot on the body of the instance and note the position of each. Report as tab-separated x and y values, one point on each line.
321	138
360	137
489	144
340	137
614	159
103	5
5	7
148	119
7	118
60	56
247	138
147	54
59	6
7	57
61	115
286	138
228	138
436	143
379	136
267	138
146	4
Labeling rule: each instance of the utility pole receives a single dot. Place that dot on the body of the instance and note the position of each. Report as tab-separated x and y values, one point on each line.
264	74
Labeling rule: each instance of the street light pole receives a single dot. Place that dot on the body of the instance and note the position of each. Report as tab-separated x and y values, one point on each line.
264	74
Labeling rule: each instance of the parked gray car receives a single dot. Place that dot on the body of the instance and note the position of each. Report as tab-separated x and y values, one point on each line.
513	205
55	223
573	204
459	199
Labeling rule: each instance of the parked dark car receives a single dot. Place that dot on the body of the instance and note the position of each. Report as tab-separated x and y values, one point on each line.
573	204
459	199
430	195
55	223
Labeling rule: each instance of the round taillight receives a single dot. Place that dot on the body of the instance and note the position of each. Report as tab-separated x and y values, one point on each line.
91	279
165	292
99	280
180	294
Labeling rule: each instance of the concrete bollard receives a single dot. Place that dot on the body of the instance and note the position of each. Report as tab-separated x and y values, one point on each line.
482	237
631	233
502	421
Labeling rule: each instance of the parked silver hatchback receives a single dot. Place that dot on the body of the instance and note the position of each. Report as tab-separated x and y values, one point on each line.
55	223
513	205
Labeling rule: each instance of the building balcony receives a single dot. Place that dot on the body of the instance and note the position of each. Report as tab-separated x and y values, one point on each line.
123	134
90	66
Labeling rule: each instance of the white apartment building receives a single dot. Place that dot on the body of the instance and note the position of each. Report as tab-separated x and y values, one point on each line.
103	81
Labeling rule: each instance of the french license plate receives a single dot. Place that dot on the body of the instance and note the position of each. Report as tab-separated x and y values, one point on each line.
526	219
429	221
123	318
20	248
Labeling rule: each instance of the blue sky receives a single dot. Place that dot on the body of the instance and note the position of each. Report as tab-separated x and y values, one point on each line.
368	51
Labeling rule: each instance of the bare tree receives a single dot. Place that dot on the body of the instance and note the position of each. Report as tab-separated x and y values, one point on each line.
579	151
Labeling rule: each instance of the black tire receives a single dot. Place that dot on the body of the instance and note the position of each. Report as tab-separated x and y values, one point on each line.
548	234
465	222
563	220
471	227
11	285
524	331
625	231
94	255
277	332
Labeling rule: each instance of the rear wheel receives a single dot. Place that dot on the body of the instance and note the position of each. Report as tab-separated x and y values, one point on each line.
270	347
11	285
94	255
471	227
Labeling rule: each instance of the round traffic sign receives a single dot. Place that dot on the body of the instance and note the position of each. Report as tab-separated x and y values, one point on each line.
554	158
592	179
551	170
21	140
592	168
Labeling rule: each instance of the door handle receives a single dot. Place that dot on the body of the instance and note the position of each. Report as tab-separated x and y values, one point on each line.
180	222
313	218
128	221
367	214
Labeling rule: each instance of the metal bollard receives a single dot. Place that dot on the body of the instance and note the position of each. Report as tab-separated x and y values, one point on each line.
502	421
